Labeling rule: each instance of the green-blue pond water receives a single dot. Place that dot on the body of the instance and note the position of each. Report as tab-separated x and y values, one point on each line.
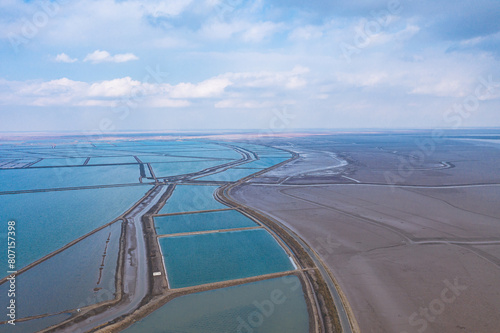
268	306
48	220
67	281
188	198
112	160
60	161
47	178
199	259
227	219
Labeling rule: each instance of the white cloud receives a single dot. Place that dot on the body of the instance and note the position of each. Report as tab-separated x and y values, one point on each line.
209	88
63	57
244	104
99	56
307	32
166	8
259	31
248	31
114	88
66	92
221	30
289	80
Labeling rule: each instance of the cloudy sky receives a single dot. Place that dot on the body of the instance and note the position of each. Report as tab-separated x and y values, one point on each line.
101	65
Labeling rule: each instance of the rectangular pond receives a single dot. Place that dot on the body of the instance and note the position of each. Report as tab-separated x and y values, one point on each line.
189	198
46	221
221	256
268	306
112	160
71	279
228	219
60	177
60	161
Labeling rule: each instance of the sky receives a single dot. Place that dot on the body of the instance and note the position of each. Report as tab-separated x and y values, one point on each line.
272	65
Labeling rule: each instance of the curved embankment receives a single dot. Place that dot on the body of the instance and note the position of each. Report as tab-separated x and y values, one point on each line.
329	298
320	301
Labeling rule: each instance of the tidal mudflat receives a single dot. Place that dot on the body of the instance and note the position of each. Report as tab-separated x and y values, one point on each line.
407	223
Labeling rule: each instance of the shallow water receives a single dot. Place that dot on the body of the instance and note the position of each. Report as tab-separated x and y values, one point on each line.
60	161
67	280
46	221
112	160
199	259
228	219
48	178
188	198
168	159
269	306
221	153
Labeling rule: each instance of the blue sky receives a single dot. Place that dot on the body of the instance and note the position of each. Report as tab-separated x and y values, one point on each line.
101	65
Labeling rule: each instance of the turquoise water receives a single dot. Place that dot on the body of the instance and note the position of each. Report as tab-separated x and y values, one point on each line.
48	220
160	158
199	259
112	160
67	280
189	198
60	161
44	178
179	168
231	175
269	306
227	219
226	153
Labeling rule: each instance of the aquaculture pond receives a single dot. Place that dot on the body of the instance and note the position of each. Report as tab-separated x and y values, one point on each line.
268	306
228	219
45	221
58	284
189	198
221	256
